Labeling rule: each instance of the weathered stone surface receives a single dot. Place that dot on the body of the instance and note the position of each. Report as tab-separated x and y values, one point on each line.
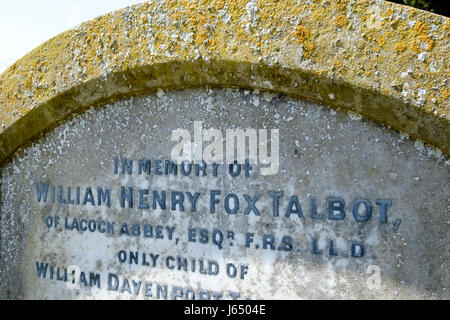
323	154
116	88
381	60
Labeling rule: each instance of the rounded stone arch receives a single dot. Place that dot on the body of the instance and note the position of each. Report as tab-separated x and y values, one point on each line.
380	60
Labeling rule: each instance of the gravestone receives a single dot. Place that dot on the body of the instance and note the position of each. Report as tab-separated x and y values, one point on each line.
119	177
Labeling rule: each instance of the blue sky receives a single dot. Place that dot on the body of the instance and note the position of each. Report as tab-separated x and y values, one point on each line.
25	24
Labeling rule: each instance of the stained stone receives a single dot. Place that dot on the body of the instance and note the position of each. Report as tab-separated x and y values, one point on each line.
290	244
120	178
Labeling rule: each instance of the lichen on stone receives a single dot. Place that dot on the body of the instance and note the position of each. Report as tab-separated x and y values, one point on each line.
400	46
341	21
355	49
301	33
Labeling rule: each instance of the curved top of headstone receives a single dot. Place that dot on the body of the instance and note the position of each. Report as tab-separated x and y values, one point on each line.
384	61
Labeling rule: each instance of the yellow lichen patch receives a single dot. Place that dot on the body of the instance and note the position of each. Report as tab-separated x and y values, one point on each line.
389	12
301	33
341	21
211	43
447	25
445	94
415	46
201	37
428	41
421	27
28	84
220	4
308	49
341	4
381	40
203	20
400	46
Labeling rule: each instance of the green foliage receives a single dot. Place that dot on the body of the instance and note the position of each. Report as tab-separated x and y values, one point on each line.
420	4
435	6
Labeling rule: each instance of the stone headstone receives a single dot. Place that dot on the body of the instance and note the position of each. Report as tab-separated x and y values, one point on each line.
119	178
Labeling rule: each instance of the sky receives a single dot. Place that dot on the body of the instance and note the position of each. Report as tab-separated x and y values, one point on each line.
25	24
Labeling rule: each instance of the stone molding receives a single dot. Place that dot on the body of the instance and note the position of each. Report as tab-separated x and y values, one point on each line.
384	61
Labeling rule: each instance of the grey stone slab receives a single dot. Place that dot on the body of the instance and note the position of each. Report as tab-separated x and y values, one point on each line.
324	154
